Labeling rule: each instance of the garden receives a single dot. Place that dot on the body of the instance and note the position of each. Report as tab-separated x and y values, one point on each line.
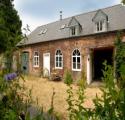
29	98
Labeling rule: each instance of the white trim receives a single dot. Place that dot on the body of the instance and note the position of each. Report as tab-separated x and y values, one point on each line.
77	70
76	60
44	54
58	61
102	26
89	68
35	66
58	67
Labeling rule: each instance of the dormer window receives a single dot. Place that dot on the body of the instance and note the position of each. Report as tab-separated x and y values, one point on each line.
99	26
74	27
100	22
43	31
63	26
73	30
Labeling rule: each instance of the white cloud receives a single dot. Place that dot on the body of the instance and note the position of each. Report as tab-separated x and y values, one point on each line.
28	19
117	1
32	22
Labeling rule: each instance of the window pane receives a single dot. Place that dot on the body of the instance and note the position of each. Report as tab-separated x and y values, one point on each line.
74	52
60	58
74	59
97	26
74	65
56	59
58	52
73	30
100	25
78	53
78	59
60	64
36	54
78	65
56	64
35	60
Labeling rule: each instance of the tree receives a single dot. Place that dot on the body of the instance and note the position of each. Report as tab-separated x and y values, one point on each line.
123	1
10	26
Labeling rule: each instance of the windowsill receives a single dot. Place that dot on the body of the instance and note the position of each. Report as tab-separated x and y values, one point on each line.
36	66
76	70
59	68
100	31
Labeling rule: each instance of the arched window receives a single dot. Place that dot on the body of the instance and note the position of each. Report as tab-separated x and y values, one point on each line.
76	60
58	59
36	59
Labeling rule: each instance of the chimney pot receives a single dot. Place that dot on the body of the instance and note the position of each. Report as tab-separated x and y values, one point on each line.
60	15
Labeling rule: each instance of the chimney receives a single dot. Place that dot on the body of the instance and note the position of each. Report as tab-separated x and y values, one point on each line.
60	15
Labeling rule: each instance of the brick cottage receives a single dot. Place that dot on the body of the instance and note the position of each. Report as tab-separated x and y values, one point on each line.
78	43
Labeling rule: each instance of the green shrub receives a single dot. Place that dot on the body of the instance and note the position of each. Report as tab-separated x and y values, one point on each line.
75	105
110	106
82	81
68	78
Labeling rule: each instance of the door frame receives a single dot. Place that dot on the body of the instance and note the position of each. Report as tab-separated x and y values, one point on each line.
27	62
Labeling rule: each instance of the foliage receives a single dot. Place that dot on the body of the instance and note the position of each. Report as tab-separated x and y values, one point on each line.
75	105
82	81
10	30
10	24
11	102
123	1
109	106
68	78
120	54
15	102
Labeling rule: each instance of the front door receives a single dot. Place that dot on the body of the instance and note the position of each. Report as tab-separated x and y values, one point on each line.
25	62
46	64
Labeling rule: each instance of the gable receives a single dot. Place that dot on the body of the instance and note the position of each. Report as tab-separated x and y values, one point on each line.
100	15
73	22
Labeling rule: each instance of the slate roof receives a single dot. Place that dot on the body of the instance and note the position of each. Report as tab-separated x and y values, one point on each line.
116	18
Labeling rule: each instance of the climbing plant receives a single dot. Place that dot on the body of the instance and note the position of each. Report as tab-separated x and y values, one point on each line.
119	55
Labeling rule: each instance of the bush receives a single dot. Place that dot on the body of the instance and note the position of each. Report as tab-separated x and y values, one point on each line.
111	105
68	78
75	105
82	81
16	102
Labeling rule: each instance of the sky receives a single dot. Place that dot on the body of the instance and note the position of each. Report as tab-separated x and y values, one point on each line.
39	12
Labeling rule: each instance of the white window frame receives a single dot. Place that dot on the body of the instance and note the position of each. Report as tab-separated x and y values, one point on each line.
100	26
76	56
36	59
57	56
73	30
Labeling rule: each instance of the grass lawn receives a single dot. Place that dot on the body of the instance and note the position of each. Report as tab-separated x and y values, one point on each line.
42	89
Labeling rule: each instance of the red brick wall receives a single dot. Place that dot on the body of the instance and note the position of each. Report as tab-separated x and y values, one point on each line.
67	46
